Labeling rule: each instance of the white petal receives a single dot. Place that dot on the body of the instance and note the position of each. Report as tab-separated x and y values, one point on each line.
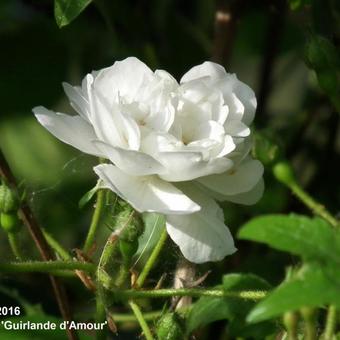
207	69
72	130
124	78
237	181
112	126
130	161
247	198
146	193
77	100
250	197
185	166
201	236
236	128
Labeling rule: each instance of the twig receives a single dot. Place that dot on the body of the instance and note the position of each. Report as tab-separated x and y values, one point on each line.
45	251
226	17
139	316
330	323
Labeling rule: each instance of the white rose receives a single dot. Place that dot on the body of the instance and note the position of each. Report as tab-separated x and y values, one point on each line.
174	147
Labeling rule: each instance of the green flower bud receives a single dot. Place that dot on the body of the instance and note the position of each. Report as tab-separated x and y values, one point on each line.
265	149
284	172
10	222
8	199
128	249
169	327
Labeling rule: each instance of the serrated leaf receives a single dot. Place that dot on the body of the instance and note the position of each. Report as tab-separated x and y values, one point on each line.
67	10
311	287
310	238
207	310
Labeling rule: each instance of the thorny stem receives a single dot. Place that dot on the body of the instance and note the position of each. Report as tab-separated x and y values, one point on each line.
330	323
95	220
194	292
28	219
152	259
45	267
14	244
141	320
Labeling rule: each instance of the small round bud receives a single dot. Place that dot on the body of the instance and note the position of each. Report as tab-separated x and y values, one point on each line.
284	172
9	222
169	327
131	223
8	199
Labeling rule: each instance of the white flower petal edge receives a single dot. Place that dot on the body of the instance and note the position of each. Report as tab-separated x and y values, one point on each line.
236	181
201	236
246	198
132	162
216	74
72	130
146	193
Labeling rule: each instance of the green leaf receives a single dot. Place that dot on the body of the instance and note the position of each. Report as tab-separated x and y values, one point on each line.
153	227
310	287
66	11
207	309
310	238
88	196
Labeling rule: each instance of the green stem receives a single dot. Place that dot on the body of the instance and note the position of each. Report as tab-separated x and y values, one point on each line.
100	315
121	318
330	323
15	246
312	204
45	267
152	259
95	220
56	246
122	275
194	292
141	320
309	316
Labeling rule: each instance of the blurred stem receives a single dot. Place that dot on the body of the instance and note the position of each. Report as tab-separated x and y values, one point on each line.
15	245
152	259
194	292
56	246
95	220
330	323
100	315
309	316
141	320
44	267
312	204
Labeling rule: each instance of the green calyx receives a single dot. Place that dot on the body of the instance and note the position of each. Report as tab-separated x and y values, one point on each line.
128	249
9	201
170	327
10	222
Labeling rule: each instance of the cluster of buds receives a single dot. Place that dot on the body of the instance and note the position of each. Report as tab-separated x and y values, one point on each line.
9	204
